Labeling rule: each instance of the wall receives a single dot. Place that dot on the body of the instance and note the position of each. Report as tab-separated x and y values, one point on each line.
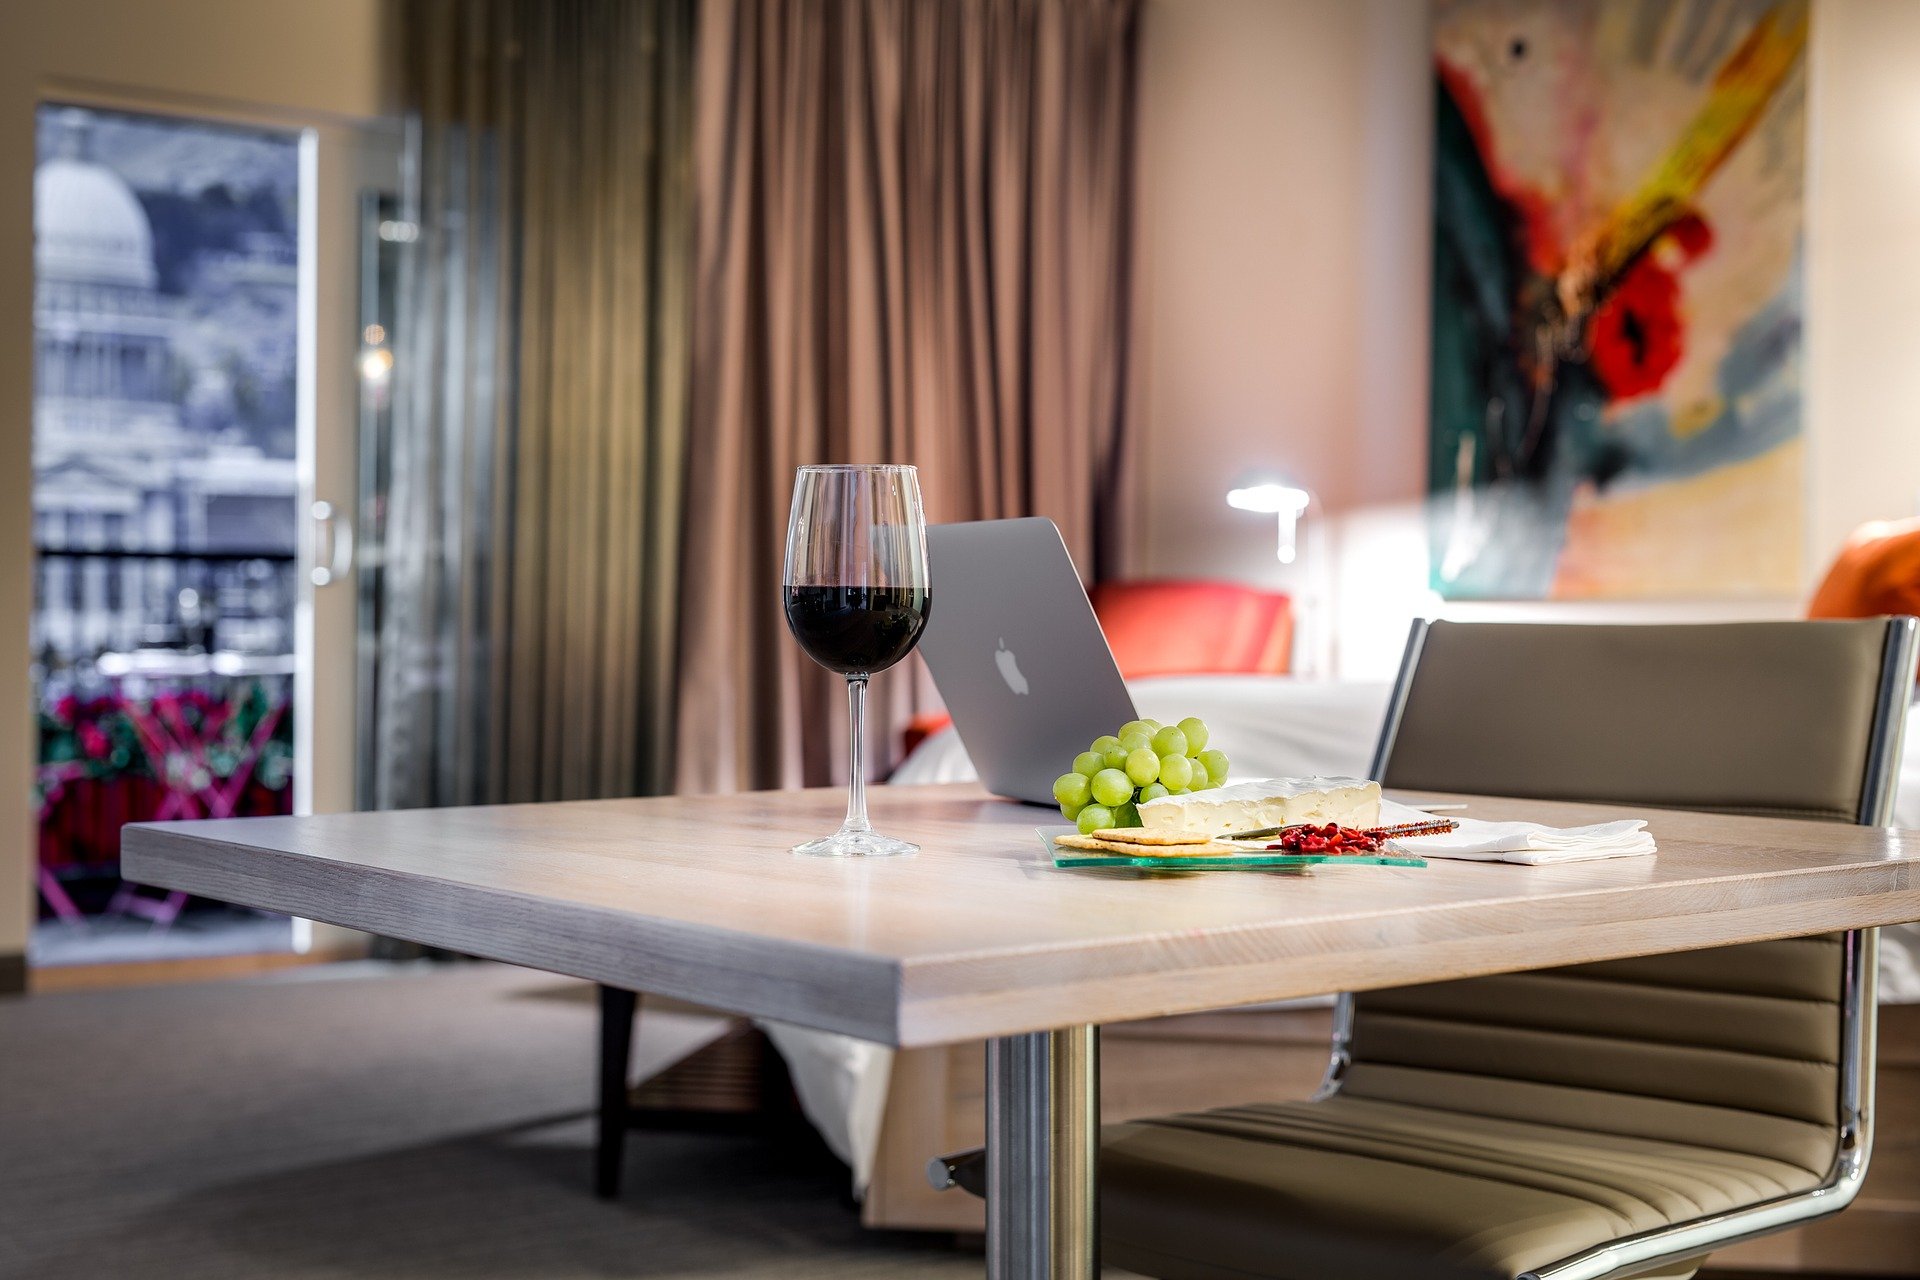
1284	175
1250	216
1283	265
1863	333
306	62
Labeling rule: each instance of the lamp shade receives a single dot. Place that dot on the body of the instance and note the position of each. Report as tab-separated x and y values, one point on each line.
1281	500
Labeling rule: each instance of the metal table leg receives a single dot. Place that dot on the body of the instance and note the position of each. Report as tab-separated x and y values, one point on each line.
1043	1147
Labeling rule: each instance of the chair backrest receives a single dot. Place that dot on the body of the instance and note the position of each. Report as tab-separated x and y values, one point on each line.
1772	718
1744	1048
1175	627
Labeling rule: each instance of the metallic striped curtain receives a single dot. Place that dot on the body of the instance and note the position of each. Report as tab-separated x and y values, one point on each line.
531	535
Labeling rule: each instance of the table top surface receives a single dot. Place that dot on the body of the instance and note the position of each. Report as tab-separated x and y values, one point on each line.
979	935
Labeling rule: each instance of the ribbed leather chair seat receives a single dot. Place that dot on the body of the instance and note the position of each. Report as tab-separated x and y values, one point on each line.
1395	1192
1492	1126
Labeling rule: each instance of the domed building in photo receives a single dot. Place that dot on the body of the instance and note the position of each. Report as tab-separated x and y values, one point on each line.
119	465
106	431
103	356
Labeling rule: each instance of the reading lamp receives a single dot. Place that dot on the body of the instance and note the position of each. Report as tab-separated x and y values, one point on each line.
1282	501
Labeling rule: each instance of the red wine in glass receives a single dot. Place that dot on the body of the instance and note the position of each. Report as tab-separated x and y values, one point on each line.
857	630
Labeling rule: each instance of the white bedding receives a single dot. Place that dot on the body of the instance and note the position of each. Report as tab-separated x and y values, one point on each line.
1272	726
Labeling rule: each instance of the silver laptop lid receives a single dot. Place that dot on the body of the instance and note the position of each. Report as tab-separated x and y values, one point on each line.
1020	660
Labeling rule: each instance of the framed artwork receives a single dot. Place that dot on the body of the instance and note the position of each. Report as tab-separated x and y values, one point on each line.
1617	303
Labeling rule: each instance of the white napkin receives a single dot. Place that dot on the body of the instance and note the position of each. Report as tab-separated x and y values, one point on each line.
1526	842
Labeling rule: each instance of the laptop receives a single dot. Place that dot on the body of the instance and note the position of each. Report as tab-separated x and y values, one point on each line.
1018	656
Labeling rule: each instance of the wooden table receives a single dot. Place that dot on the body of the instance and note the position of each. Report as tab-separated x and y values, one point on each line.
980	936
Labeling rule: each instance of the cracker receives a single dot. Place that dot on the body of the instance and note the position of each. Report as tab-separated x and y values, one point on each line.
1140	835
1207	850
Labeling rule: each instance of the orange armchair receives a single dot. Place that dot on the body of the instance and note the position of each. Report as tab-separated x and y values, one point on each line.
1877	572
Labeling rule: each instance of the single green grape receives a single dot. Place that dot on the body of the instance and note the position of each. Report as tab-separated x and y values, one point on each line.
1170	742
1134	739
1152	791
1132	726
1143	766
1104	743
1127	815
1072	788
1071	811
1095	817
1088	763
1196	730
1177	773
1111	787
1216	762
1115	759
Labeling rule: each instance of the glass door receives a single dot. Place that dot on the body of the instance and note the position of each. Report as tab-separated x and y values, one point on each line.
167	331
196	403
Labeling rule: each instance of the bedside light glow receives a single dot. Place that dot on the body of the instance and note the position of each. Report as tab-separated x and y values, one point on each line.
1282	501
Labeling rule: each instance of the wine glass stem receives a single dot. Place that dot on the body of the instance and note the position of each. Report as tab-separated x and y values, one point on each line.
856	756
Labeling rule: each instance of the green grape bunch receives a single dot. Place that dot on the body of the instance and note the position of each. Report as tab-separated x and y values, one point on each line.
1145	760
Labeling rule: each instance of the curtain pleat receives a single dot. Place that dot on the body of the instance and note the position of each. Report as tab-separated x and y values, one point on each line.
913	246
531	536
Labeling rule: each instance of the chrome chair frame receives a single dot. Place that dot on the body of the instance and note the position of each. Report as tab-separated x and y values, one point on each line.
1679	1242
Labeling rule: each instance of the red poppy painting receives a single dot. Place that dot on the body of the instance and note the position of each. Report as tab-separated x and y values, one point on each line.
1617	324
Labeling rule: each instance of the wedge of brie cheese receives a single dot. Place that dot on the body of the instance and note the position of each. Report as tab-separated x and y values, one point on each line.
1270	802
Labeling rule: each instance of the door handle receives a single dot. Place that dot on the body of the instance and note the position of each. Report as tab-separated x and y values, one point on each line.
332	544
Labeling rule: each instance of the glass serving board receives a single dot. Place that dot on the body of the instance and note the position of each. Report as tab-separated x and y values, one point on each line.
1072	859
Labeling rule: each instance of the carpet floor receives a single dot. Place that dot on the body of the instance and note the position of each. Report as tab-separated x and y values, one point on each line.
376	1122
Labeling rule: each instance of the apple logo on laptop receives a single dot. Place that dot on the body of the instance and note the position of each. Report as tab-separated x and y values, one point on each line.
1010	668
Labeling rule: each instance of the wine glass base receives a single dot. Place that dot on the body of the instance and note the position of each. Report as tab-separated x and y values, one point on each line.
856	844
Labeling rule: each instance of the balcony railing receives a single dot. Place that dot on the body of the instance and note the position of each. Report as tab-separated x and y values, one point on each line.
164	685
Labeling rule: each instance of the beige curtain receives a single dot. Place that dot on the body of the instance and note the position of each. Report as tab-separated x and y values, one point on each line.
913	246
530	538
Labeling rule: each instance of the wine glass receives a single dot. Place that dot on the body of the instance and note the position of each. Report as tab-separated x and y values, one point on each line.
856	597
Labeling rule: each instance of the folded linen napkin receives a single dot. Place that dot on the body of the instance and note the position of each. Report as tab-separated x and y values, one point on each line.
1531	843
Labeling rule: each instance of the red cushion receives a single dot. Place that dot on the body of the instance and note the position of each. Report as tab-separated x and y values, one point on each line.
1170	628
920	728
1876	573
